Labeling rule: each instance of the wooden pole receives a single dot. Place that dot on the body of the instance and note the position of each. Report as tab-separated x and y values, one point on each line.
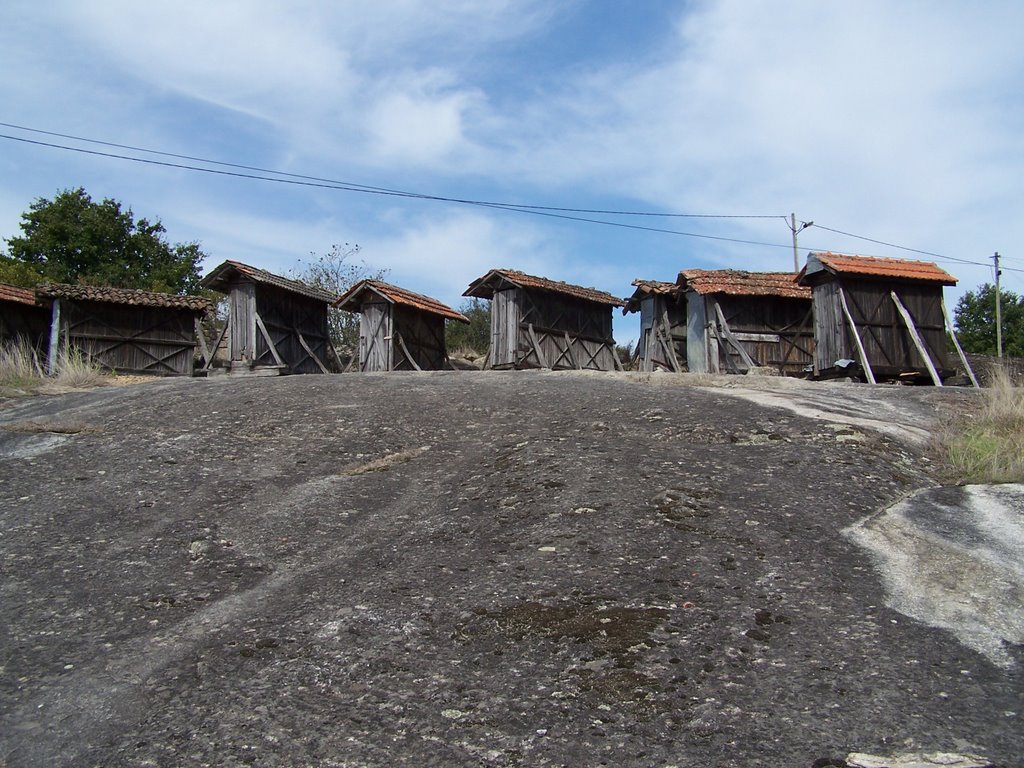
796	255
999	313
916	338
956	343
856	338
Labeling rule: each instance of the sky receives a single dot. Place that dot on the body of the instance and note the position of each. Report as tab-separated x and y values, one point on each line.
897	121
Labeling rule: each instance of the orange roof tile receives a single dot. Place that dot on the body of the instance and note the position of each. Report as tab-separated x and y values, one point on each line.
484	287
18	295
739	283
875	266
129	296
352	299
220	278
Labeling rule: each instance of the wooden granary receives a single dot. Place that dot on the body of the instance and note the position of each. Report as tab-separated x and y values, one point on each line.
886	314
662	309
398	330
739	320
541	323
124	330
24	317
274	324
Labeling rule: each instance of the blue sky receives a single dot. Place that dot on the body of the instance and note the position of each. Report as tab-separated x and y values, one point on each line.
902	122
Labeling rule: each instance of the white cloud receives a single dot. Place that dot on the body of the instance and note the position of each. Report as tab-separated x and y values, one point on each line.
419	119
899	121
440	255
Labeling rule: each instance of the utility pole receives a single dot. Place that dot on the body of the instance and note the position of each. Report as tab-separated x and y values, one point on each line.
999	317
797	230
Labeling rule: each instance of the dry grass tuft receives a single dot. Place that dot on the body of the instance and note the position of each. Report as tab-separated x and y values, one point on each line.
465	353
19	367
988	446
76	370
21	371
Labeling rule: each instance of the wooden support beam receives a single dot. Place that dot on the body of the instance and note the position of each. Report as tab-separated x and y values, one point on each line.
666	348
856	337
217	343
334	349
309	351
615	358
744	356
266	337
666	329
201	338
487	359
728	360
351	360
916	338
405	351
573	360
536	347
956	343
54	350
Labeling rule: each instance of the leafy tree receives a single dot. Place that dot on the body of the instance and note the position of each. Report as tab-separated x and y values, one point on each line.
72	239
336	271
975	320
14	272
475	336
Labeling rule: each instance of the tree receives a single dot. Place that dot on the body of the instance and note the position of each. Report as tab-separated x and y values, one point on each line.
975	320
14	272
477	335
336	271
72	239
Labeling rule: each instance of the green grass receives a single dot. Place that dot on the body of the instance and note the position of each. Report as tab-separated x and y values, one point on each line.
987	446
22	371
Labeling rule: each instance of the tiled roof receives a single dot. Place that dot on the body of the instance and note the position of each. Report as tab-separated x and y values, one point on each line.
128	296
220	278
484	287
735	282
352	299
645	288
18	295
874	266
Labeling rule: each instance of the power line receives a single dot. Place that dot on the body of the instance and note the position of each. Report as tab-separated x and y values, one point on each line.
534	210
283	177
354	186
